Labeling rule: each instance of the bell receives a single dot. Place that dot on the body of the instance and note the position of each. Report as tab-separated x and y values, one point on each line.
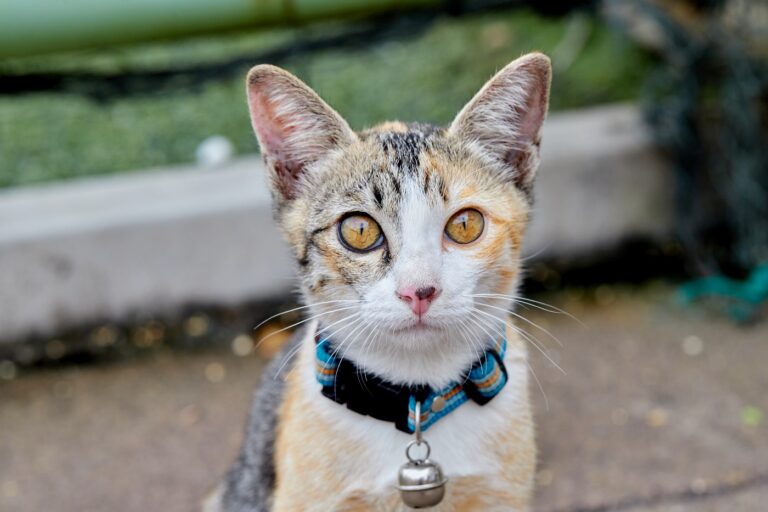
421	483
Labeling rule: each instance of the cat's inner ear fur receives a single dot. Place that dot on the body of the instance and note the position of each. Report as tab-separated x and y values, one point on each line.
294	126
503	121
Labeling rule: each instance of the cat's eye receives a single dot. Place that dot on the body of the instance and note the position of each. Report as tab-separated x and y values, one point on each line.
465	226
359	232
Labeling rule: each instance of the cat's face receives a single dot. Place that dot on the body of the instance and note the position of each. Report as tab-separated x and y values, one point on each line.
407	236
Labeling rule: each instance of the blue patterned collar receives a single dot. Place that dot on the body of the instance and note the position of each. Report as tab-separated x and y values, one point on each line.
370	395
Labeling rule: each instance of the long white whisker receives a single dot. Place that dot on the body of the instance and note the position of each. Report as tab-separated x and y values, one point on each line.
303	307
521	317
294	351
347	337
538	383
467	335
495	331
543	306
338	349
290	356
365	347
531	256
326	328
533	373
474	343
464	331
313	317
525	335
371	339
477	321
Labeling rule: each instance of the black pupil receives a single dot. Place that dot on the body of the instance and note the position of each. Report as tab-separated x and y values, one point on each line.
463	219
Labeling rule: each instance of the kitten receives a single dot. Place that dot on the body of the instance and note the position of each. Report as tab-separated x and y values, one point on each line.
408	239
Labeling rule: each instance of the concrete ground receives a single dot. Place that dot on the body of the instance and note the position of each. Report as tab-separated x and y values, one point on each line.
660	409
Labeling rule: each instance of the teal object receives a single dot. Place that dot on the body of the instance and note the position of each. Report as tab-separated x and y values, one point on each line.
746	296
30	27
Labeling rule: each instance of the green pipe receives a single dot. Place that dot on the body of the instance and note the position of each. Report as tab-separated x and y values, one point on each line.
30	27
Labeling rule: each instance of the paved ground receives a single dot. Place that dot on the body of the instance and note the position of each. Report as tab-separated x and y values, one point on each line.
660	410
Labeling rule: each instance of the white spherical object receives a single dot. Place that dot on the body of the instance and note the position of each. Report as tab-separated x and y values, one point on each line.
693	345
215	150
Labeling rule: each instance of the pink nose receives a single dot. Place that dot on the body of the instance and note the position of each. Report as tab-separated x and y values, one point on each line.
418	298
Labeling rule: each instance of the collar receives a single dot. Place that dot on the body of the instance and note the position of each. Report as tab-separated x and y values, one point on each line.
370	395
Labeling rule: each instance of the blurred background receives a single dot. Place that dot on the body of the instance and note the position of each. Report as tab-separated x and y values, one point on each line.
140	272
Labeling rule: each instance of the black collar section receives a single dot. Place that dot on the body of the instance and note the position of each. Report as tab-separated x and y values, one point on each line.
370	395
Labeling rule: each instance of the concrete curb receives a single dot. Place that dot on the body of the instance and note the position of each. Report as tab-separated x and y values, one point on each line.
152	242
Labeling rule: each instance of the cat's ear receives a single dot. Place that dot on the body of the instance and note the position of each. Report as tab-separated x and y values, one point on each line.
294	126
504	119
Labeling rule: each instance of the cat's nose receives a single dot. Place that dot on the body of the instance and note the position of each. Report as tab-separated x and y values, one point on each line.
418	298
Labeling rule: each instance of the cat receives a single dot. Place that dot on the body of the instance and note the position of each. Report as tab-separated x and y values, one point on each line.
407	239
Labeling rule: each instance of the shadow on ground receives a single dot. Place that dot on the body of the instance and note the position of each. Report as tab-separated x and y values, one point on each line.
659	409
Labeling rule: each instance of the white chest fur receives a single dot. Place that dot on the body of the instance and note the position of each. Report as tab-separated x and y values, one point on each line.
463	442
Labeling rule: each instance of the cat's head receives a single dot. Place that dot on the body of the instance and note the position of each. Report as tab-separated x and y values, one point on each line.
407	237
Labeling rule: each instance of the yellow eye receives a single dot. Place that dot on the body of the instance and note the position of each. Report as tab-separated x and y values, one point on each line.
359	232
465	226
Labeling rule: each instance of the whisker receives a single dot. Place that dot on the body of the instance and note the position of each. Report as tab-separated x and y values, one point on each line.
538	383
366	347
298	348
531	256
303	307
337	349
549	308
533	373
467	335
354	330
477	321
313	317
462	329
366	324
543	306
500	332
474	343
330	336
288	358
521	317
525	335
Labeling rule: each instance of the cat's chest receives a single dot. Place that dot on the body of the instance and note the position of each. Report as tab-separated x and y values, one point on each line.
462	443
472	440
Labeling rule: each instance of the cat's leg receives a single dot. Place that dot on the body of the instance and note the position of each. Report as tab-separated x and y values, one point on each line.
250	482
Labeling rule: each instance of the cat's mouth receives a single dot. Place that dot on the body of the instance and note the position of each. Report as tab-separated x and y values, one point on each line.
416	326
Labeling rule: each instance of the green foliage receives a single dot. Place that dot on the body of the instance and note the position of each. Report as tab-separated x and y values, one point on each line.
427	77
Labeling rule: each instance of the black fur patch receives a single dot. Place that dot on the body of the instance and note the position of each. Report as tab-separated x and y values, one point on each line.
309	242
396	184
443	188
405	148
377	196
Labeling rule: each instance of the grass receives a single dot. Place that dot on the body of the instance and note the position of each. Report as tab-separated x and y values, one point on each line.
426	77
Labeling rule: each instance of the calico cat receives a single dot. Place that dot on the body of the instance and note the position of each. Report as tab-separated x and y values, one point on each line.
407	238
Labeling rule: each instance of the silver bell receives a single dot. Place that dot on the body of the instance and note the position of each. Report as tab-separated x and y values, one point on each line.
421	483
